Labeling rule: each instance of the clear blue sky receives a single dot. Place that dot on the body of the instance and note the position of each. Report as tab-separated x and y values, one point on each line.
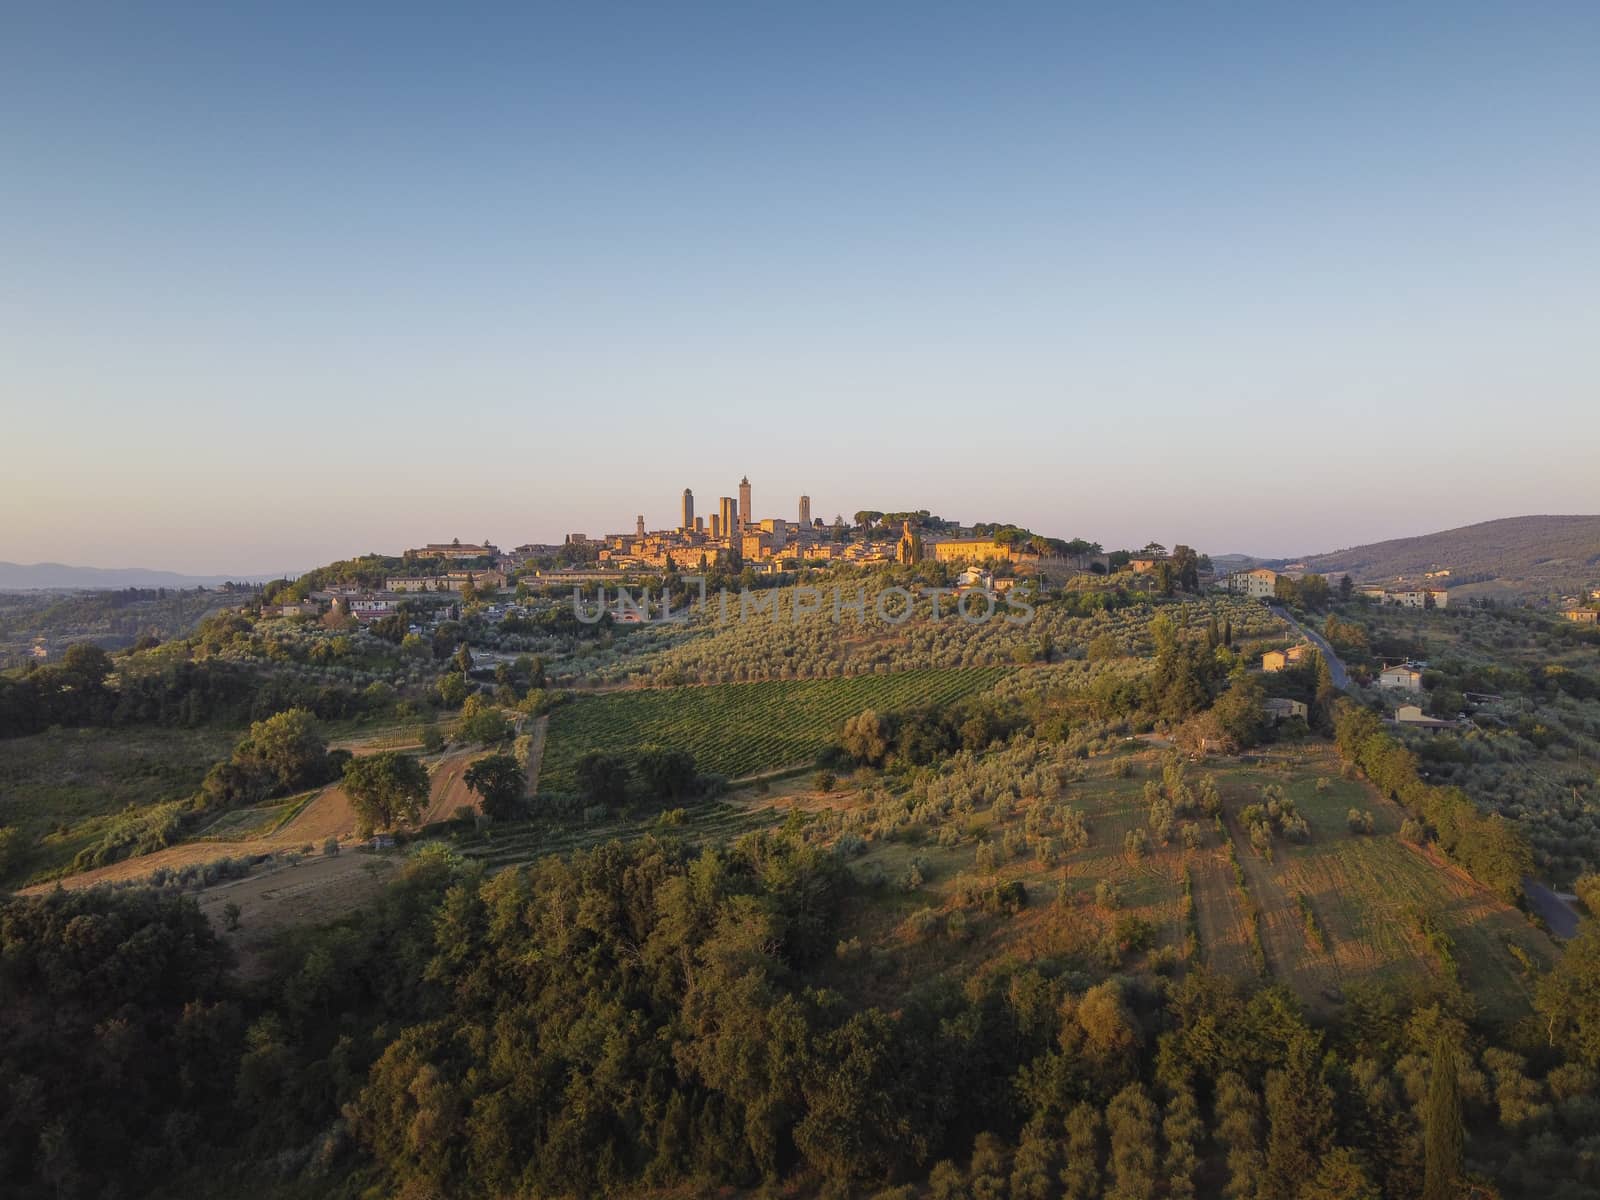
283	282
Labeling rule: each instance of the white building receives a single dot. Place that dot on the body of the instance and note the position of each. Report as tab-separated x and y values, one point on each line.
368	608
1413	597
1261	583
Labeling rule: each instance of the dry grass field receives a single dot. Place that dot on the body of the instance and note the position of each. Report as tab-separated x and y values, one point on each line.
302	823
63	788
1363	890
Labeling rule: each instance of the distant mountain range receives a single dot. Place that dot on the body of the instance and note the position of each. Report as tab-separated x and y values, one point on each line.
20	577
1526	555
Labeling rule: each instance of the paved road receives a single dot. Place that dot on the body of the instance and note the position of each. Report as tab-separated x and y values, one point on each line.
1553	907
1341	677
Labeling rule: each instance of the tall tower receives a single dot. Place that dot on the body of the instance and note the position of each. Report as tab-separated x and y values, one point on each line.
910	548
730	518
688	511
805	512
638	527
744	501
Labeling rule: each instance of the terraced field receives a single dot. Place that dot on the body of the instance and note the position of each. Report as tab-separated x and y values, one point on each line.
259	820
1362	889
522	842
738	729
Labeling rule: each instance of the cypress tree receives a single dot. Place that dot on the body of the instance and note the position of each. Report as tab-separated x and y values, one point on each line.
986	1180
1081	1176
1183	1129
1239	1125
1033	1169
1300	1119
1131	1120
1442	1132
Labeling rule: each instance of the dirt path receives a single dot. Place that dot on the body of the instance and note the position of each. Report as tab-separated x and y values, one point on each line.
328	814
447	790
536	752
175	857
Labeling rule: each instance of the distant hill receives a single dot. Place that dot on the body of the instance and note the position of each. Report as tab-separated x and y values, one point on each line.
1226	564
19	577
1528	555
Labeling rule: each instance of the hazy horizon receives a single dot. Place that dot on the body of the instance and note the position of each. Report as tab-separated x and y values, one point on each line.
291	284
246	572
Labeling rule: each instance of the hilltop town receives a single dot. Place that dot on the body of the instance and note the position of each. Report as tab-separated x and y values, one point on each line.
762	551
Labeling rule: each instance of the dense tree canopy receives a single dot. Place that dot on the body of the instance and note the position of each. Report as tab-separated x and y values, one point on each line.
500	782
388	790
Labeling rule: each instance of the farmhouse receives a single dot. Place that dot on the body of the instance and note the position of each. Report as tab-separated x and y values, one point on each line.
1583	616
294	608
1410	598
1413	717
1280	708
1404	676
1279	660
368	608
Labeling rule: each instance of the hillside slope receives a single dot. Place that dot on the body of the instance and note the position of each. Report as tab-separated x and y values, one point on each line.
1541	554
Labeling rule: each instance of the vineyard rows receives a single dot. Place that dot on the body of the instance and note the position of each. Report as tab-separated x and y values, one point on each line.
739	729
704	823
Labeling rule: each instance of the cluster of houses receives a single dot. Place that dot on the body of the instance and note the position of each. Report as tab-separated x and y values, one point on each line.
1407	677
1281	660
1280	708
450	581
1407	597
1261	583
365	606
1403	677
